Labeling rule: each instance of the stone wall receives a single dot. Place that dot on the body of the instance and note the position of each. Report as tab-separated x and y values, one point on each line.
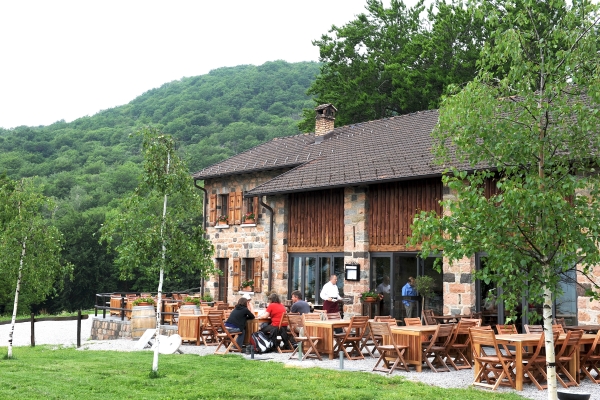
111	329
588	311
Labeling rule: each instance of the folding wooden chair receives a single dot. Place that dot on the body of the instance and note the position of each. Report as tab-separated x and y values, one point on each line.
534	363
284	324
391	354
558	328
309	343
590	360
533	328
352	338
334	316
564	353
458	349
494	370
506	329
224	338
437	347
559	321
412	321
428	317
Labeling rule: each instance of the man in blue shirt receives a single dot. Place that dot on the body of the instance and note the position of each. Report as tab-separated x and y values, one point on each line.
409	290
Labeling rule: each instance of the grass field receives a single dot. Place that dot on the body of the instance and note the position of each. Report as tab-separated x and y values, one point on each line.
48	372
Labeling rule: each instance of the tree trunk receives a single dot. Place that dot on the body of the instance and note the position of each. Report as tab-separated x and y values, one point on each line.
550	356
14	314
160	280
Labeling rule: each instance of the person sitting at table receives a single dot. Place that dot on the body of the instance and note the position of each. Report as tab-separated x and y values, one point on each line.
275	311
299	306
238	317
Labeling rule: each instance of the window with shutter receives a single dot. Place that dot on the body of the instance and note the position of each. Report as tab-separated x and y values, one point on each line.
231	210
258	274
238	207
250	207
237	273
212	209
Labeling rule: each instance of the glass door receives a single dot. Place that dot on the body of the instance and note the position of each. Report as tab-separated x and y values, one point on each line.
309	272
381	281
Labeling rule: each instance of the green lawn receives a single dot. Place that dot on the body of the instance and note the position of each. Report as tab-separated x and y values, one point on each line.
43	372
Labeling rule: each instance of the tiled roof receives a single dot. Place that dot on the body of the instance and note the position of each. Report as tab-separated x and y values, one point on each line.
389	149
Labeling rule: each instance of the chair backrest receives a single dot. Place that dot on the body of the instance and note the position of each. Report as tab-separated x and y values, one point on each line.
477	315
378	318
428	317
186	311
295	323
223	306
311	317
559	321
390	321
471	322
443	334
412	321
569	345
284	321
216	321
506	329
533	328
483	337
380	329
335	315
591	350
558	328
206	309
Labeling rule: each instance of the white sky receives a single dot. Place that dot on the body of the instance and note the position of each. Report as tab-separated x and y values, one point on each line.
65	59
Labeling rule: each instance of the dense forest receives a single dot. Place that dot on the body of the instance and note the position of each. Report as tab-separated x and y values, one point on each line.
88	164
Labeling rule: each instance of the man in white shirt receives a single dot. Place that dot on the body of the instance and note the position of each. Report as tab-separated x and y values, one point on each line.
330	295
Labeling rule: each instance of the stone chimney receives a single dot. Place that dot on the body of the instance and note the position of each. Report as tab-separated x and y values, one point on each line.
324	119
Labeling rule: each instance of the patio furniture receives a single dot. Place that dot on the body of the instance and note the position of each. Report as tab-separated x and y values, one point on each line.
333	316
535	363
491	370
189	327
558	328
224	338
428	316
413	337
351	339
437	347
391	354
590	360
564	353
459	347
559	321
506	329
309	343
284	324
533	328
324	329
412	321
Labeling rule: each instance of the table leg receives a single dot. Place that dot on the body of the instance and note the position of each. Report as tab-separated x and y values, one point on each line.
519	367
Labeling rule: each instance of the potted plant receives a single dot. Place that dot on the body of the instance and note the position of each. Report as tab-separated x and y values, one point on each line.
191	301
369	296
207	297
247	285
143	301
222	220
249	218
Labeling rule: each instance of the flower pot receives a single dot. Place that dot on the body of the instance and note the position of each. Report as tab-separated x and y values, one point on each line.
143	304
189	303
248	221
370	299
247	289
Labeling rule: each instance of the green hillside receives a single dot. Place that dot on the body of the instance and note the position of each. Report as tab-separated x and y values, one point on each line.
88	163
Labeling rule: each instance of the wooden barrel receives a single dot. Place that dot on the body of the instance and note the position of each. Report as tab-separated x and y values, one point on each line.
190	308
142	318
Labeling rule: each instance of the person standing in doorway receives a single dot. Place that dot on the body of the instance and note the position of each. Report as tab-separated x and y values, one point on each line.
330	295
299	306
409	290
384	294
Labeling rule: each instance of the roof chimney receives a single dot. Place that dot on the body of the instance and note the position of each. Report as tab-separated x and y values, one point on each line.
324	119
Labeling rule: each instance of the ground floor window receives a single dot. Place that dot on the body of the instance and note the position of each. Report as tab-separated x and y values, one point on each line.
493	312
309	272
390	272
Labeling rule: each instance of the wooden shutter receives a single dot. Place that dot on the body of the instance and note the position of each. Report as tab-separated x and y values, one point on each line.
231	209
239	201
237	273
212	209
255	208
257	274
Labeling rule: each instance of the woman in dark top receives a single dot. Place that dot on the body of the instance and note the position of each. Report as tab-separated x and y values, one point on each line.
238	317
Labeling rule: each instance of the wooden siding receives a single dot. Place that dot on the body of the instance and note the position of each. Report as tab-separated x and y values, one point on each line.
393	206
317	220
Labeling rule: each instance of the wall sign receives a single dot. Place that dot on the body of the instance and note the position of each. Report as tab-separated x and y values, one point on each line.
352	272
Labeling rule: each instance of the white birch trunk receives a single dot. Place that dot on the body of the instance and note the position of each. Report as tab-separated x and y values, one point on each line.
14	314
161	276
549	341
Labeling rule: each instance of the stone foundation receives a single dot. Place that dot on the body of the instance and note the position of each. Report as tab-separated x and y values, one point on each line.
111	329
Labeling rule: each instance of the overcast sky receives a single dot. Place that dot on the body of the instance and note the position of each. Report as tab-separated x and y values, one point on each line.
68	59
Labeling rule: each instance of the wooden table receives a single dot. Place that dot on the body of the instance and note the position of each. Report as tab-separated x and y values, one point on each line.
253	325
413	337
325	329
188	327
532	339
445	319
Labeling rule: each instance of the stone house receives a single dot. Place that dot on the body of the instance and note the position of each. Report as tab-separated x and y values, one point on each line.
340	201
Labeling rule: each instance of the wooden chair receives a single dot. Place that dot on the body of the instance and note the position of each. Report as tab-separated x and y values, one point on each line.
476	321
369	339
437	348
559	321
224	338
533	328
590	360
534	363
284	324
391	354
351	338
558	328
564	353
223	306
506	329
333	316
458	349
412	321
309	343
428	316
494	370
205	310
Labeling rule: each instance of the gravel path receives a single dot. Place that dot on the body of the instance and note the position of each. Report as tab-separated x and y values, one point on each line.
65	333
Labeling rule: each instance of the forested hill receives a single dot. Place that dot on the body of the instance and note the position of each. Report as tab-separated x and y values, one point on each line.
88	163
212	116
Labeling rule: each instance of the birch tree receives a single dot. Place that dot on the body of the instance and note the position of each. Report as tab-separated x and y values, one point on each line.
151	231
30	246
530	122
